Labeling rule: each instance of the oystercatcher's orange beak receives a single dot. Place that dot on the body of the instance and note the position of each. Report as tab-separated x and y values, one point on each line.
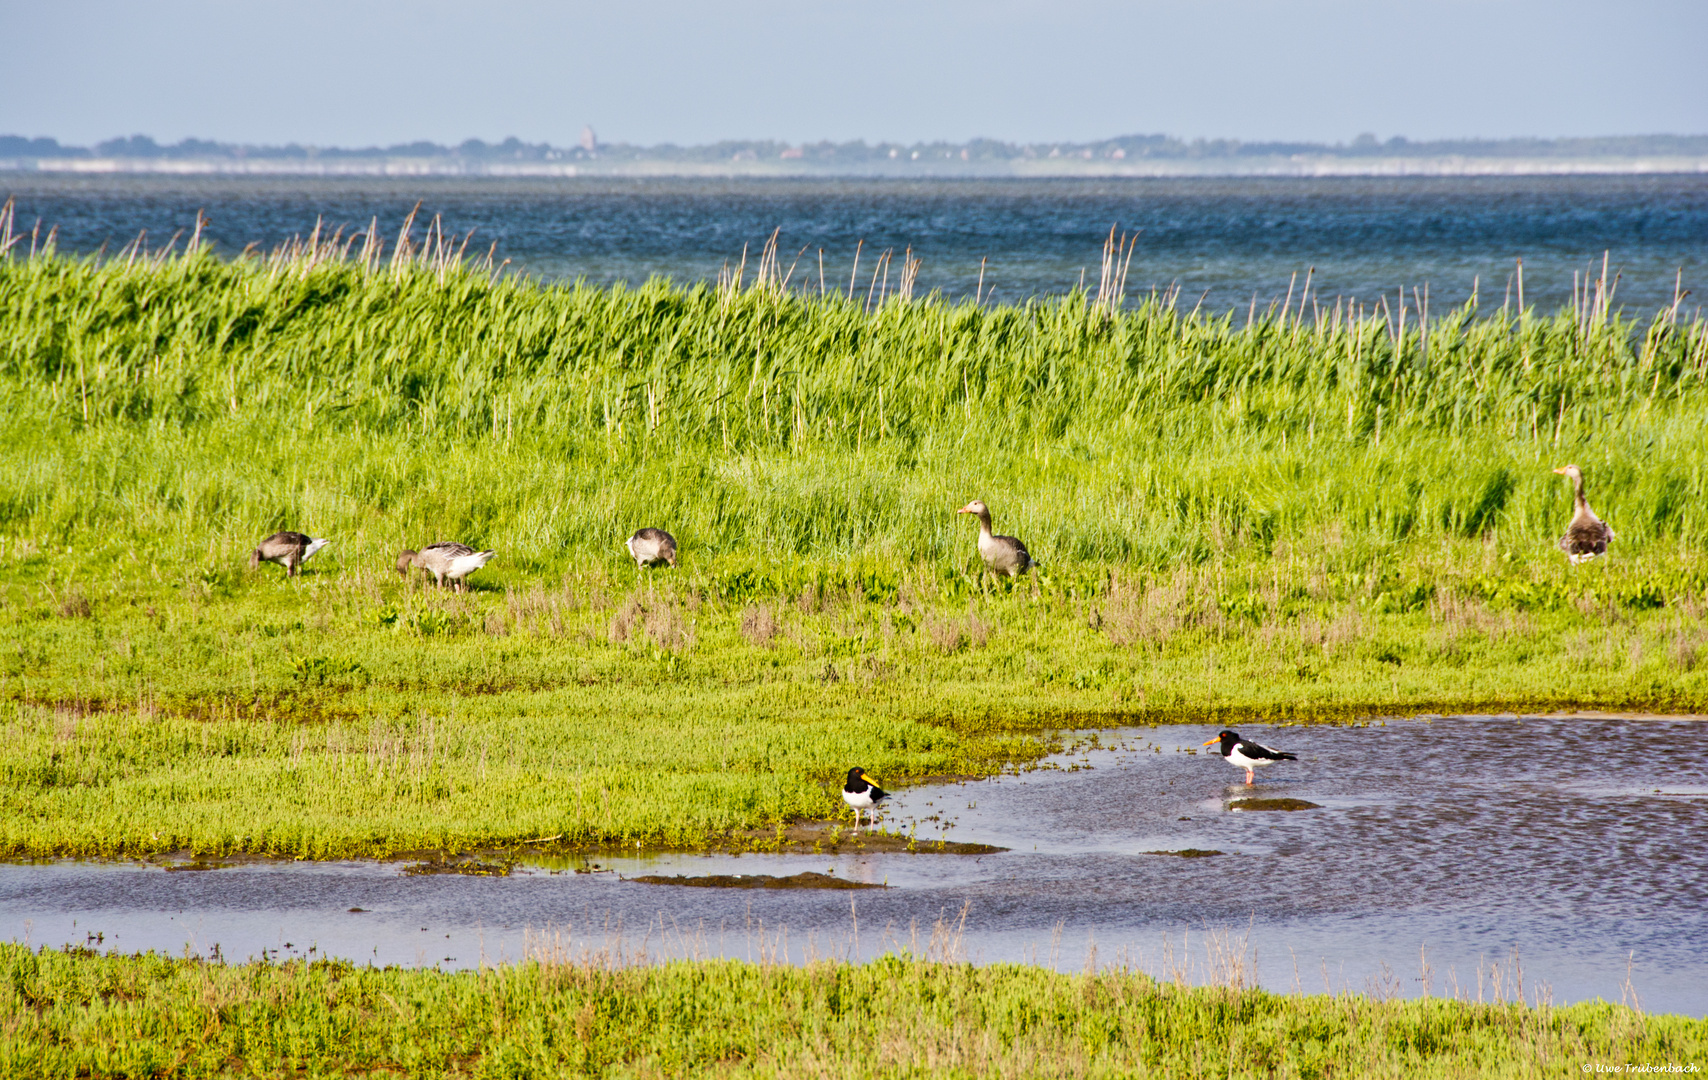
1208	742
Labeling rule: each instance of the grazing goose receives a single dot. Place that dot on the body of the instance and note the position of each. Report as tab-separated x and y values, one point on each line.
861	794
649	546
446	561
289	549
1247	755
1001	554
1587	536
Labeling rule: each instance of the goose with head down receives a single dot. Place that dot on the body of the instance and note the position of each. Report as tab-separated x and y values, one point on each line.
1001	554
446	561
652	546
1587	536
289	549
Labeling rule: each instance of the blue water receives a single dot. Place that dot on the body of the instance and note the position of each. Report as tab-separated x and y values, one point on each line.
1225	240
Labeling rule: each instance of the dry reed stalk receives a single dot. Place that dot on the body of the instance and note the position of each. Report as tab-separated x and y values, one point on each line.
909	275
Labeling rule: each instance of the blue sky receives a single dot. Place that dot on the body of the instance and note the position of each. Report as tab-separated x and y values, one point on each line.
360	72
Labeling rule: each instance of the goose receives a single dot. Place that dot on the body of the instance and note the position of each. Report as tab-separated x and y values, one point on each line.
1587	536
1001	554
1247	755
860	793
446	561
289	549
649	546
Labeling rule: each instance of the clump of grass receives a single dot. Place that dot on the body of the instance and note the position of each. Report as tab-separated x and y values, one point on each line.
759	625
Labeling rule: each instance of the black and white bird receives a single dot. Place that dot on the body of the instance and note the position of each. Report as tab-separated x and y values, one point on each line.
289	549
1247	755
651	546
446	561
861	794
1587	536
1001	554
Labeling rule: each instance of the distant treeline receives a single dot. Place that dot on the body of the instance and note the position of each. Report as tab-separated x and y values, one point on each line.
1125	147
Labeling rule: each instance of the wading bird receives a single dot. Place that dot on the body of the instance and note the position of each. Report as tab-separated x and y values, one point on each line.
861	794
1587	536
1001	554
446	561
289	549
1247	755
650	546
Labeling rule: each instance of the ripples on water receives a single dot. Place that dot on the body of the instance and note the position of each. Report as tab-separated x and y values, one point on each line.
1224	239
1570	842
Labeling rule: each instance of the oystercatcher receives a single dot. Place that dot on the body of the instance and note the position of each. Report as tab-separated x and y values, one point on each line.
1247	755
861	794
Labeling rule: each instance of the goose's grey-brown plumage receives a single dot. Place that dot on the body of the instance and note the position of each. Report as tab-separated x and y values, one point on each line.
289	549
1587	536
650	546
446	561
1001	554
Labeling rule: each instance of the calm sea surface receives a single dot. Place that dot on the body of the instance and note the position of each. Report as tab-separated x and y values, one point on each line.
1225	240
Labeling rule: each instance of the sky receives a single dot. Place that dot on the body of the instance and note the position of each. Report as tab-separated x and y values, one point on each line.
378	72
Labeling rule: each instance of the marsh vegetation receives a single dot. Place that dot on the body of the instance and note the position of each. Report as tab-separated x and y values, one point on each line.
1316	510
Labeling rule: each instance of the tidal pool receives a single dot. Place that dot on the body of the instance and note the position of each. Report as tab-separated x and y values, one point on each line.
1468	855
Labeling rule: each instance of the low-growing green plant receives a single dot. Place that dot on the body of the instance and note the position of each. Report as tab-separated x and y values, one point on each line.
80	1014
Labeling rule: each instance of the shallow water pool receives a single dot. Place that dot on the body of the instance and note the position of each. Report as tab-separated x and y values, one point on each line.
1450	855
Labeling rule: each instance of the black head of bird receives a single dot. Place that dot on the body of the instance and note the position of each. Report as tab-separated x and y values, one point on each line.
1228	739
857	780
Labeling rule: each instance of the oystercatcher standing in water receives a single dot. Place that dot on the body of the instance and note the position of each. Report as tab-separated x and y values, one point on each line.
1247	755
861	794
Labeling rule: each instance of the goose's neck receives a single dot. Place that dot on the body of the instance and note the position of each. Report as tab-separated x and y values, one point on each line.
1578	500
984	524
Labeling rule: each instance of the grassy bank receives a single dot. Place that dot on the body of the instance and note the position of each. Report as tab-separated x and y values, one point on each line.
85	1015
1316	512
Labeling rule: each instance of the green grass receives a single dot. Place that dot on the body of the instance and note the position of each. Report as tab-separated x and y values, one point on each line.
1281	519
78	1014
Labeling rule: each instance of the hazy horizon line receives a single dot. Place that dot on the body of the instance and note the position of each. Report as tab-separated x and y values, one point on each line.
1120	147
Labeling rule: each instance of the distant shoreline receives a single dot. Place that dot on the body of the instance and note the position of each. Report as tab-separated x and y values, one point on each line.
1293	166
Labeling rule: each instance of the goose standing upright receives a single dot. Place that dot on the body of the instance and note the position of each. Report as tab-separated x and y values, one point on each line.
650	546
1001	554
1587	536
289	549
446	561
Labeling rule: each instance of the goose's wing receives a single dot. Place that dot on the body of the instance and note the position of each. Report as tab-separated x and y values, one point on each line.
450	549
1009	551
1586	535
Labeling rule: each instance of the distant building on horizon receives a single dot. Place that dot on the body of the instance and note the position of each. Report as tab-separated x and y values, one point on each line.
589	141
